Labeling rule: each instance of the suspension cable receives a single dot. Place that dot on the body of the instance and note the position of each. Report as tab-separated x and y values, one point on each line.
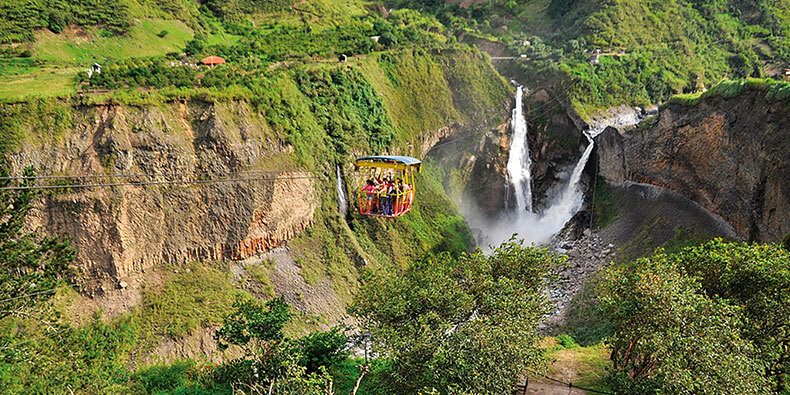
150	175
141	183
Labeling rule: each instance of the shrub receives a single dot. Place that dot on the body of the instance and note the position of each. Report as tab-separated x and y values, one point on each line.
566	341
388	40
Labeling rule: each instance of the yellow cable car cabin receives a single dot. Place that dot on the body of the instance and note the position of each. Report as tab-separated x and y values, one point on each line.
386	185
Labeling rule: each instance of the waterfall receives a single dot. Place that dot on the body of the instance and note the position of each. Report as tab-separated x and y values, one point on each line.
341	194
563	202
569	201
519	162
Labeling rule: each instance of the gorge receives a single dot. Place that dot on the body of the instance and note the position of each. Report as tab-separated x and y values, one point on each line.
603	199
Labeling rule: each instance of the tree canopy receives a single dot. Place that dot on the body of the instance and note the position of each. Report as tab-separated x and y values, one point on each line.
712	318
459	325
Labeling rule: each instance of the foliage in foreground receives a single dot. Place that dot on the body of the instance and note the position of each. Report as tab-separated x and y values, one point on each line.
459	325
708	319
271	362
31	266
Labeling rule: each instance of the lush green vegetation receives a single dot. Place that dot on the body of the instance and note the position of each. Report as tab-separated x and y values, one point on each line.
33	268
674	315
142	40
21	18
651	49
458	325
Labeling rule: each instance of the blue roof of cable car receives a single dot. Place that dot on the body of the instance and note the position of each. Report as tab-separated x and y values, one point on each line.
406	160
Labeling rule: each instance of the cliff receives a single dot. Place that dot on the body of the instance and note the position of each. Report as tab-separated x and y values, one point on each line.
288	134
725	150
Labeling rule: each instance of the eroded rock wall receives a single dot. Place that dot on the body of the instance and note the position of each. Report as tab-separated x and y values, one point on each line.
731	155
128	228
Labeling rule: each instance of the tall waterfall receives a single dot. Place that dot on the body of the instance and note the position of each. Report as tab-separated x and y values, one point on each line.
563	202
341	194
519	162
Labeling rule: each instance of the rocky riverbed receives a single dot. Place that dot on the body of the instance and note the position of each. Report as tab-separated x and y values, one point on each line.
586	256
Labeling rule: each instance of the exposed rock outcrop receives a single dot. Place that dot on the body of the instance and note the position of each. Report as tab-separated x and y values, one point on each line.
728	154
129	228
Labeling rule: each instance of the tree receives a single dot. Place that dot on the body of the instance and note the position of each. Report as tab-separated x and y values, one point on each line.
756	277
388	40
271	363
712	318
196	45
669	338
459	325
31	266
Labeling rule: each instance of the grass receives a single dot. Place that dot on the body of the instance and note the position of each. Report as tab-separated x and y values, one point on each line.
583	366
192	296
84	48
260	274
19	80
222	38
345	374
774	90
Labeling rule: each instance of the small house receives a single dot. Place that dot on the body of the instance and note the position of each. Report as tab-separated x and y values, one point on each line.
212	60
96	68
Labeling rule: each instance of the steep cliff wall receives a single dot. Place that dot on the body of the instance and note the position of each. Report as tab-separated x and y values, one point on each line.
726	150
126	229
297	123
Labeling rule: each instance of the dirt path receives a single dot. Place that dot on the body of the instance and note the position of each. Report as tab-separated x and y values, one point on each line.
552	389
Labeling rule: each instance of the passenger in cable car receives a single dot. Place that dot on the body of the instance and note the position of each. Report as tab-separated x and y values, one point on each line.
384	188
370	190
389	196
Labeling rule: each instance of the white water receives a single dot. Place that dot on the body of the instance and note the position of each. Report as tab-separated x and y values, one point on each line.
564	202
341	194
519	162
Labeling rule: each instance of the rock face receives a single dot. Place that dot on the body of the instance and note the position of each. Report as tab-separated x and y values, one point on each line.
731	155
126	229
554	142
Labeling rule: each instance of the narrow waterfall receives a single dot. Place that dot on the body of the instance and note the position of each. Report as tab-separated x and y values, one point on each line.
566	200
569	201
519	162
341	194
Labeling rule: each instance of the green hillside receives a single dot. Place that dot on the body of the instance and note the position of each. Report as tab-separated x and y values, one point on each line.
652	49
227	286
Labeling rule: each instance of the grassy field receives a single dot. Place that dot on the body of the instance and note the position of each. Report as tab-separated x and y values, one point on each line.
85	46
19	79
583	366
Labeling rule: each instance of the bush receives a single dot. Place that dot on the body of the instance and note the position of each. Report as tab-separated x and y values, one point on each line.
159	378
388	40
322	349
162	34
566	341
196	45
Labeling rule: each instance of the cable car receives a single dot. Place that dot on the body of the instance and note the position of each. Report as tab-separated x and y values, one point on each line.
386	185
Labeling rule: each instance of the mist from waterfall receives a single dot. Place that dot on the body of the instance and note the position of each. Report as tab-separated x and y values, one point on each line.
539	228
565	199
519	162
342	203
